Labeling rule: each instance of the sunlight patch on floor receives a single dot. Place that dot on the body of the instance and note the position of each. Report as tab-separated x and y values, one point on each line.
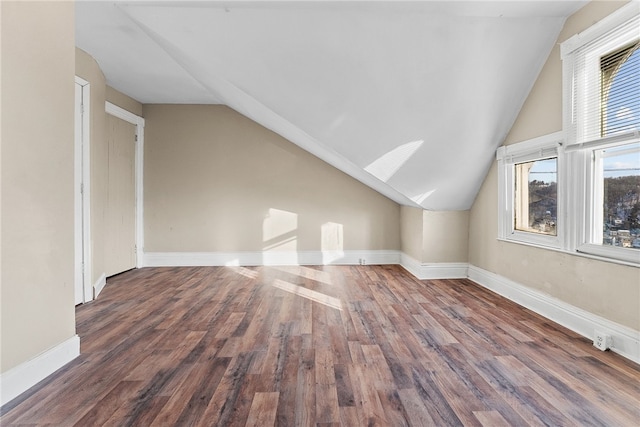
307	273
308	294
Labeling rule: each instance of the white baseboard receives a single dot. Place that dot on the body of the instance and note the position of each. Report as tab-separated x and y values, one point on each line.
99	285
24	376
189	259
430	271
625	341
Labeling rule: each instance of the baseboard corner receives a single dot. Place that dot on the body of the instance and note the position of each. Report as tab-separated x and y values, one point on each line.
99	285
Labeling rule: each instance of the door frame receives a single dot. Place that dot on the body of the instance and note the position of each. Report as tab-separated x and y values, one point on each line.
82	194
138	121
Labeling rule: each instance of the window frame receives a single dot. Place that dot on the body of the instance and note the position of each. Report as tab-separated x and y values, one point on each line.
584	184
588	227
544	147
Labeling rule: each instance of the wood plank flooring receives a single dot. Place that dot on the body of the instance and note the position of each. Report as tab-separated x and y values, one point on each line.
323	346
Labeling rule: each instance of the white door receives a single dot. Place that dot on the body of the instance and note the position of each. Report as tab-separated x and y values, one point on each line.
120	251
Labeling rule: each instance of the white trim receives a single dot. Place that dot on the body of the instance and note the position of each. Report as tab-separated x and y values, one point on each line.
140	195
627	255
123	114
411	264
138	121
607	141
431	271
86	199
78	240
24	376
532	149
422	271
573	253
625	341
99	285
600	28
184	259
83	168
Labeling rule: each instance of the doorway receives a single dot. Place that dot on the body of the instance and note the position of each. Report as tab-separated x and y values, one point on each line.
123	212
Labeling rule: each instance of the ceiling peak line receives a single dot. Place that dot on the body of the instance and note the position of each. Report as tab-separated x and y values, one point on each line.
247	105
158	40
294	71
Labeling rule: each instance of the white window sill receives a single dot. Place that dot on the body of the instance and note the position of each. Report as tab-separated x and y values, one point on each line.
574	253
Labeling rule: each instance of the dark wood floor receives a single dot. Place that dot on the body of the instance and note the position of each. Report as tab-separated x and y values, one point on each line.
298	346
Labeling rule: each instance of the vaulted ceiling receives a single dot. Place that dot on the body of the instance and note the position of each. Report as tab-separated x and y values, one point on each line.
410	98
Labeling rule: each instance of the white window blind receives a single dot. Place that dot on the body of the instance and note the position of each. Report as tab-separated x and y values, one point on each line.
603	83
543	147
529	156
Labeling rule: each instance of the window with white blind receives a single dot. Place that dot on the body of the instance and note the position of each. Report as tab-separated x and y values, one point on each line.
601	69
578	190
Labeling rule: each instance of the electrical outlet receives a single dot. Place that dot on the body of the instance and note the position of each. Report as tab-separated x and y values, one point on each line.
601	340
362	261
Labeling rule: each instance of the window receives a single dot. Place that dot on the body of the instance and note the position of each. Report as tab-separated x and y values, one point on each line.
620	85
617	168
529	210
578	190
536	196
620	195
602	119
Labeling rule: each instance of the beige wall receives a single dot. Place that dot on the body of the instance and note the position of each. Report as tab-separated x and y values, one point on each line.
434	236
215	181
123	101
445	236
411	232
606	289
37	291
88	69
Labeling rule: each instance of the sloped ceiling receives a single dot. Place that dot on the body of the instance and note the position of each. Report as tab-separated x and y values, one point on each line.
410	98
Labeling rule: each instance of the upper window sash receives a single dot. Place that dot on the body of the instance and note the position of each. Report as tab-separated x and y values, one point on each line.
582	73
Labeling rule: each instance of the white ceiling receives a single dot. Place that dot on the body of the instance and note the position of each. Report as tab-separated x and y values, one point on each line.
411	98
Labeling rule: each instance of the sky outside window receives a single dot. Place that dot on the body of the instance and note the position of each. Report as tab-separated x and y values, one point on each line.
623	115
